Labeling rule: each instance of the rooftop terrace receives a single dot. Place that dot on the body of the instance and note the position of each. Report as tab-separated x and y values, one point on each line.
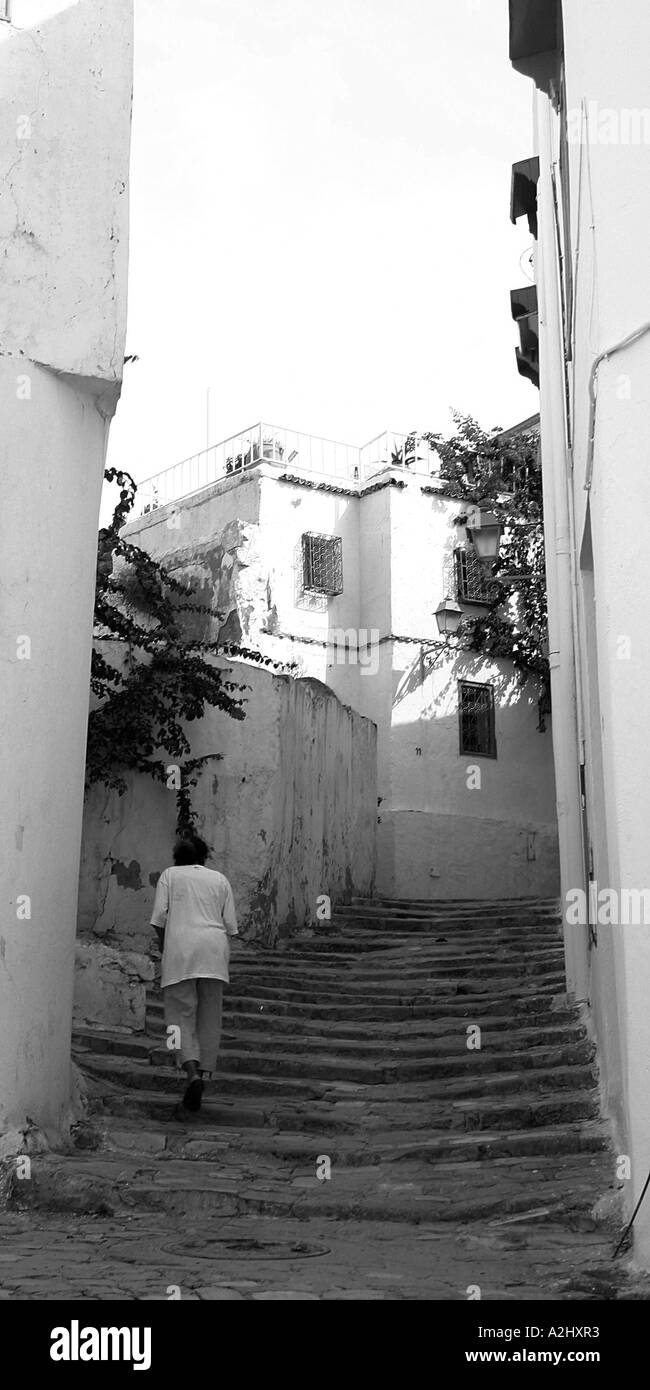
305	455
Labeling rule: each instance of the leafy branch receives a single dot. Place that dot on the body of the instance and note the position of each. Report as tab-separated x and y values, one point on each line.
162	676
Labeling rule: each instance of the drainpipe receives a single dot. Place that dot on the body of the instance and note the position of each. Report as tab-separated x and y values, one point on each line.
593	377
560	562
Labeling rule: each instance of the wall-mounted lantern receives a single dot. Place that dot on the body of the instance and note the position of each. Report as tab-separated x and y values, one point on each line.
484	531
449	616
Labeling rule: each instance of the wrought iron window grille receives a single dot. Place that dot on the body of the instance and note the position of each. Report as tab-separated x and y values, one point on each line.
476	720
322	564
470	582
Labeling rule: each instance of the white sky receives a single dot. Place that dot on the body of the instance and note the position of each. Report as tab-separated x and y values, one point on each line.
320	221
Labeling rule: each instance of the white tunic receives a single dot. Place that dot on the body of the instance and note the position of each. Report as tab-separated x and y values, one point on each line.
195	905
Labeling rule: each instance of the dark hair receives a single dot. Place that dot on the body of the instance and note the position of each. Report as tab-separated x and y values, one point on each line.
190	849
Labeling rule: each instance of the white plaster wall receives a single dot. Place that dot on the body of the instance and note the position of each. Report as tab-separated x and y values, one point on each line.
289	812
63	230
64	157
450	840
454	838
516	785
606	48
422	537
375	562
287	512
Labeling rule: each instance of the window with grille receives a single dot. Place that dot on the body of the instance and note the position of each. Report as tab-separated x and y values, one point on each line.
322	564
471	583
511	475
505	474
476	718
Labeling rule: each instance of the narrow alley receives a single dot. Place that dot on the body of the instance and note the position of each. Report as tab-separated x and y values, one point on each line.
406	1107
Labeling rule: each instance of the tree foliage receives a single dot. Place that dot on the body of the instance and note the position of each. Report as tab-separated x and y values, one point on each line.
505	477
151	673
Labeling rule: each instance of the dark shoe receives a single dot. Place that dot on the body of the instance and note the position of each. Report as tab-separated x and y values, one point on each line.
184	1117
193	1093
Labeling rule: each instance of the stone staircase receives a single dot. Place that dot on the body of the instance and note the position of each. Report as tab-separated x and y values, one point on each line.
351	1045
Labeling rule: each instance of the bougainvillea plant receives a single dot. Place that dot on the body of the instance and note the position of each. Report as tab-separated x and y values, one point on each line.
504	476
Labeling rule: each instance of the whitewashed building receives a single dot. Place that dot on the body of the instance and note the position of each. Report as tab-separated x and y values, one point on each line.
336	557
65	124
585	329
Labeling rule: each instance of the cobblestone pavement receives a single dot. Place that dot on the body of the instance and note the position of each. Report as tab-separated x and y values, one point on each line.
153	1257
355	1145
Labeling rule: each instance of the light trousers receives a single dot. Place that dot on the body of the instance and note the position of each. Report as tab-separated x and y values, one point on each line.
194	1008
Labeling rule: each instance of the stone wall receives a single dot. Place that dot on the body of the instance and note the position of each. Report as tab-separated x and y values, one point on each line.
110	987
289	810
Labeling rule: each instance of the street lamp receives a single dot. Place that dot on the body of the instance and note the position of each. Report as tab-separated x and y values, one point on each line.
449	616
484	531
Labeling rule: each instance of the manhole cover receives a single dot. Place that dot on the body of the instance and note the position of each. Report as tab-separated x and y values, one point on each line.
248	1249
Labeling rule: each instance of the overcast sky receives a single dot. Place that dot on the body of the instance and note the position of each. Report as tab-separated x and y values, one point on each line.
320	221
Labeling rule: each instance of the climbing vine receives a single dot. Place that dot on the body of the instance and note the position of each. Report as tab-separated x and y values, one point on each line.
151	675
505	477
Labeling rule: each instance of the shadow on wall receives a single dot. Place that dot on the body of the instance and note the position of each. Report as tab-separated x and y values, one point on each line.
460	665
455	822
290	816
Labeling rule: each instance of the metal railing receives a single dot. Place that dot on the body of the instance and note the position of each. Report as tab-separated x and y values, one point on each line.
293	451
390	450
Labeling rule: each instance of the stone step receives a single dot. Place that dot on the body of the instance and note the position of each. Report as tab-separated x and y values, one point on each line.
342	949
123	1071
254	1031
472	918
387	1106
429	912
418	1030
396	969
451	1040
522	1005
463	904
352	937
351	1042
469	924
454	1190
547	1007
361	936
438	963
474	906
272	1071
368	1144
481	1144
443	1062
472	984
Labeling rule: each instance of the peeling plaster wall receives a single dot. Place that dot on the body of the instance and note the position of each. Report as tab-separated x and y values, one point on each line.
289	812
64	152
110	987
